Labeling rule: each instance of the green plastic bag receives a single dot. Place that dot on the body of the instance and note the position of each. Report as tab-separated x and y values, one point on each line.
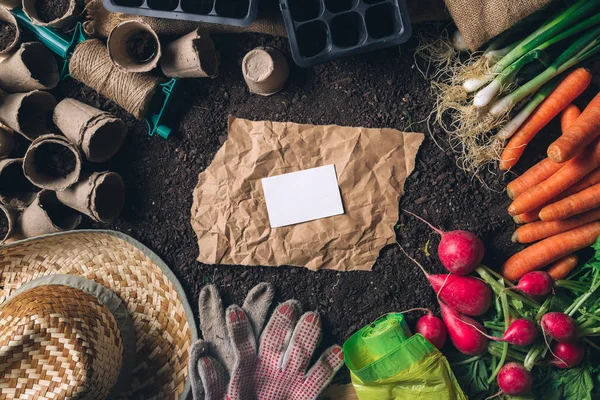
387	363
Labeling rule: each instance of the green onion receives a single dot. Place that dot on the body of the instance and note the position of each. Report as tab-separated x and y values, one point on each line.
584	47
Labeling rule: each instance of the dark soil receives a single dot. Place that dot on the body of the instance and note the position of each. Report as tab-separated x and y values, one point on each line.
8	32
49	10
3	226
141	46
12	181
54	160
375	90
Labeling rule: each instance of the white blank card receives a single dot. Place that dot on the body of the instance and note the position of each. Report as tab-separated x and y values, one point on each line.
302	196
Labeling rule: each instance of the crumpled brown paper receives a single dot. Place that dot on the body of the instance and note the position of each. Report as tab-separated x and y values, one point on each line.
229	212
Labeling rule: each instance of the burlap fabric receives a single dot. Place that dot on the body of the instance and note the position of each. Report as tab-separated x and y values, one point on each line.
481	20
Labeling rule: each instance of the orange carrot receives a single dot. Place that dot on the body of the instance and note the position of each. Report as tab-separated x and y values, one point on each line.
571	173
589	180
583	132
563	267
542	229
569	116
534	175
578	203
568	90
547	251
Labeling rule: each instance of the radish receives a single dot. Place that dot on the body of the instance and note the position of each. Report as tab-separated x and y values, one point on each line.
459	251
559	326
466	294
433	329
567	355
465	333
514	380
522	332
536	283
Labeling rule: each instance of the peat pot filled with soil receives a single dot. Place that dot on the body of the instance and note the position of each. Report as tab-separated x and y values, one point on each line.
133	46
55	13
9	32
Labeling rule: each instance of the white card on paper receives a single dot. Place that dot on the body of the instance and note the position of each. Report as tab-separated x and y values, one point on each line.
302	196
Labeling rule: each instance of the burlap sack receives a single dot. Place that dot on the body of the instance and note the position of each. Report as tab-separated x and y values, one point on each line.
98	134
481	20
32	67
229	213
100	196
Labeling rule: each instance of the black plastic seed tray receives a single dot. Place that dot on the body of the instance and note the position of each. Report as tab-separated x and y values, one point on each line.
322	30
228	12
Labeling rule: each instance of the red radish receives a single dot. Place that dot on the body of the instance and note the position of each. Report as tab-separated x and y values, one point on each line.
559	326
459	251
522	332
535	283
514	380
433	329
464	332
567	355
466	294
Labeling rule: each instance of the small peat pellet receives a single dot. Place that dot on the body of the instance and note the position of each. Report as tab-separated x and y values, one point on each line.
8	34
265	71
133	46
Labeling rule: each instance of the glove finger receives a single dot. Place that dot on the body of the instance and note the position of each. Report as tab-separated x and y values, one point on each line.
207	376
243	344
212	324
257	304
277	333
305	339
321	374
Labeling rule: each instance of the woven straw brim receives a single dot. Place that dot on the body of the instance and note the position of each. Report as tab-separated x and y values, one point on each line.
162	318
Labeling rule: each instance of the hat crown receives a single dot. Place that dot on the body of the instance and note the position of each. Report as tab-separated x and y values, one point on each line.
58	342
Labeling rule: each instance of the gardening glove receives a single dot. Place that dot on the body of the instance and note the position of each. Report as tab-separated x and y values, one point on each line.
286	348
213	359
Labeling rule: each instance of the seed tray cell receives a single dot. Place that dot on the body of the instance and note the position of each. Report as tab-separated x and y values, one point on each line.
227	12
323	30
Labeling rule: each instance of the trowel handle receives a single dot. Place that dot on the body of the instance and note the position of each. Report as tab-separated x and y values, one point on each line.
53	40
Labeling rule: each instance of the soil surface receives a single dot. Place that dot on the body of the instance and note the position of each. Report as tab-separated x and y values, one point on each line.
49	10
54	160
382	89
141	46
8	32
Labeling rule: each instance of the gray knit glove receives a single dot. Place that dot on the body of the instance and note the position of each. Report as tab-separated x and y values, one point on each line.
212	357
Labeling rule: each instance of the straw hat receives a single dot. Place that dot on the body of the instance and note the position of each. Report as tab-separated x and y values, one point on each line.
91	314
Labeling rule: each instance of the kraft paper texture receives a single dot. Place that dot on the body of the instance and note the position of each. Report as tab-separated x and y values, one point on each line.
229	213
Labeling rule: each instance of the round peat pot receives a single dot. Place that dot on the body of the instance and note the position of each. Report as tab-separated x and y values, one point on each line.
133	46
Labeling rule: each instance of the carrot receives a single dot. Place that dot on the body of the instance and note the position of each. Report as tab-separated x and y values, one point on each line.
569	116
589	180
534	175
579	135
563	267
571	173
578	203
542	253
568	90
542	229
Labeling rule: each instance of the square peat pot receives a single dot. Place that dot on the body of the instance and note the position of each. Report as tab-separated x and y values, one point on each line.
227	12
323	30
